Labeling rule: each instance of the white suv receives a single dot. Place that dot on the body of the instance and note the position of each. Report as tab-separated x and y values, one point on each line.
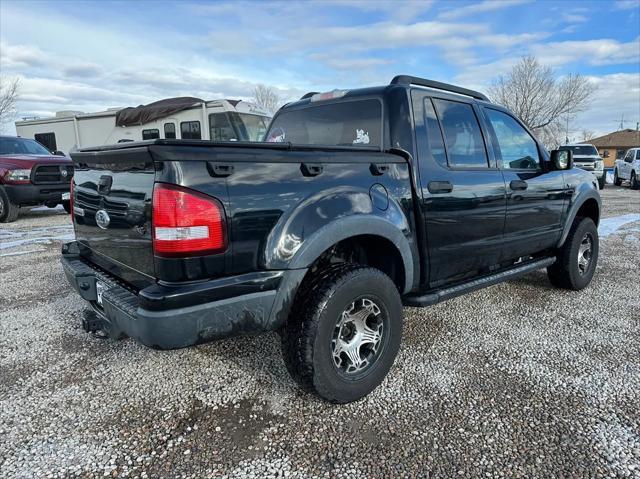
628	169
586	157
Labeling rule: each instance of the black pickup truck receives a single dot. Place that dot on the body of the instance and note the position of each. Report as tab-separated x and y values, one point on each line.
358	202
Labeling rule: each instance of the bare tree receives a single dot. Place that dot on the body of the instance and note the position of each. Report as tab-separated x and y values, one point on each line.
534	93
587	135
8	95
553	135
267	98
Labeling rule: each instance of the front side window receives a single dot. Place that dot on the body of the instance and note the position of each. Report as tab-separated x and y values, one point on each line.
190	130
151	134
516	148
21	146
169	131
463	138
221	129
347	123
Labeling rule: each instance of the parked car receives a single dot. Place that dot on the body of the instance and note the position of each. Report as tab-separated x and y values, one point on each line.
628	168
414	192
30	175
586	156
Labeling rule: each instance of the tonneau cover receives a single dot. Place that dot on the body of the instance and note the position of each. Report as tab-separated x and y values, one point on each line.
142	114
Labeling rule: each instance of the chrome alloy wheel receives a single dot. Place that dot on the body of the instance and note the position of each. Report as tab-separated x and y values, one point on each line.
585	252
357	337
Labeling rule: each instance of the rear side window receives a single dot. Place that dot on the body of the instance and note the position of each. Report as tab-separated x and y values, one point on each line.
463	138
47	139
434	134
348	123
221	129
169	130
516	148
151	134
637	154
190	130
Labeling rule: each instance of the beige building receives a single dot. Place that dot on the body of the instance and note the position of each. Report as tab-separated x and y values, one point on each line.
614	145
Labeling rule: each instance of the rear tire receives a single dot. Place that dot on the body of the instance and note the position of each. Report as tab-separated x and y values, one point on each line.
577	259
601	182
67	206
343	332
8	210
616	179
633	182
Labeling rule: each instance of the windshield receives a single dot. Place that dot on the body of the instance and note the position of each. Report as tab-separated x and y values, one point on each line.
21	146
586	150
347	123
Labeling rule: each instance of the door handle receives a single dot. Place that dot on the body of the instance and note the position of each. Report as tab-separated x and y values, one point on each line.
311	169
518	185
440	187
220	170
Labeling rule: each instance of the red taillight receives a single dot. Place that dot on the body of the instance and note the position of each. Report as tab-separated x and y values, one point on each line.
186	223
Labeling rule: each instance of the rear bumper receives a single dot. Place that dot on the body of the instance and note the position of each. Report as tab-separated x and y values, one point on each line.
150	317
27	195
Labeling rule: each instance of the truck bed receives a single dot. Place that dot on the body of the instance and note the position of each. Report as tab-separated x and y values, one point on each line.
275	195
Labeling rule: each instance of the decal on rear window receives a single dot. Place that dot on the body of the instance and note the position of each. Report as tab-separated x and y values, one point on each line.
277	135
361	137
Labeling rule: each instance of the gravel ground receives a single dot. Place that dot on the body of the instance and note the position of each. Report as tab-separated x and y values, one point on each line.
518	380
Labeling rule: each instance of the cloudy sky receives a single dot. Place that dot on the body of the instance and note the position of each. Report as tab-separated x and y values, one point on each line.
93	55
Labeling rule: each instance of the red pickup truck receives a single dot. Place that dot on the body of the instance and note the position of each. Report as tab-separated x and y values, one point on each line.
30	175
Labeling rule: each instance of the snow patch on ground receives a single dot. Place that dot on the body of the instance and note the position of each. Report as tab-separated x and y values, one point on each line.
43	235
609	177
46	208
609	226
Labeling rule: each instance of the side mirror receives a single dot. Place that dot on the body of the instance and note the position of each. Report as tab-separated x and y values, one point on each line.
59	153
562	159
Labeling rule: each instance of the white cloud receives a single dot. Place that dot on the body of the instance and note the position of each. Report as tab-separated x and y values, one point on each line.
617	94
593	52
627	4
481	7
18	56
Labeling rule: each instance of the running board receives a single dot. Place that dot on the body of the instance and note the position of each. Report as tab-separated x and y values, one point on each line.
440	295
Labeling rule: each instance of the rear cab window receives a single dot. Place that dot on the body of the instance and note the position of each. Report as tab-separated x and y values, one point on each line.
345	123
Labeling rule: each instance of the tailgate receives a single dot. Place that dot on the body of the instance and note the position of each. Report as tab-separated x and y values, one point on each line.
112	211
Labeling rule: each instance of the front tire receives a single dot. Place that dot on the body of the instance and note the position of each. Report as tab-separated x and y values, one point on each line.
343	332
8	210
634	184
67	206
577	259
601	182
616	179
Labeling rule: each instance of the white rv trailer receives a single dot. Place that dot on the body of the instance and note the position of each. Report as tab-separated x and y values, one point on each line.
220	120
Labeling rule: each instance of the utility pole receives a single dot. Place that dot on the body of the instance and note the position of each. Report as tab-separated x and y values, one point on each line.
622	122
566	138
